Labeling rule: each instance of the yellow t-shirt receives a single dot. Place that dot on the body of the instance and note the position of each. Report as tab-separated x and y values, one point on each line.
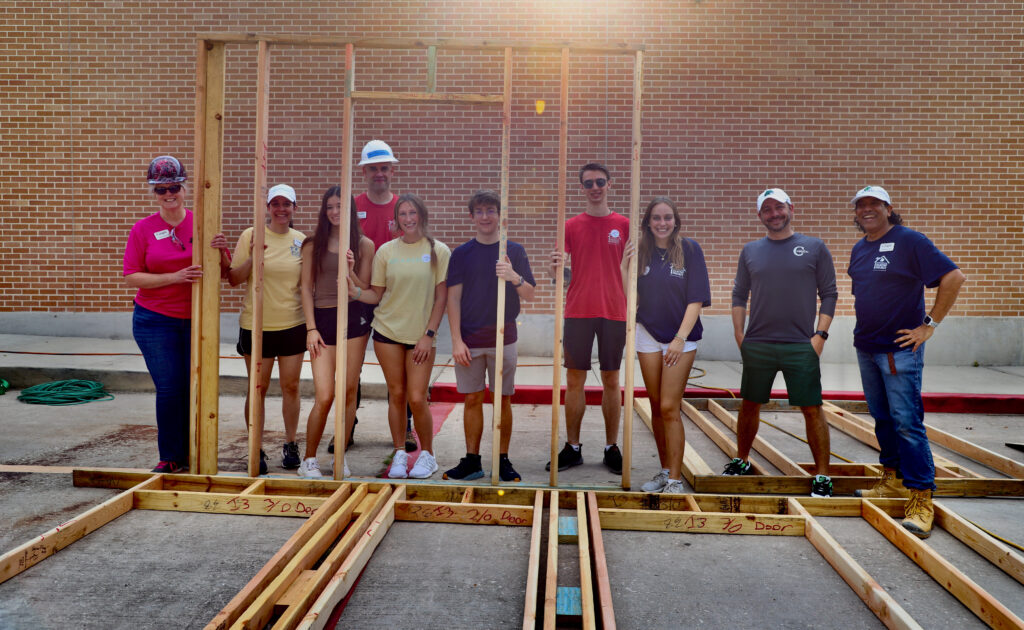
282	274
408	279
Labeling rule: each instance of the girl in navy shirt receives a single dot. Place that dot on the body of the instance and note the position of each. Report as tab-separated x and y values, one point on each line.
672	287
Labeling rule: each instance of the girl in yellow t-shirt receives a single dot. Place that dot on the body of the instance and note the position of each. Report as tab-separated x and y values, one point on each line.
284	327
408	285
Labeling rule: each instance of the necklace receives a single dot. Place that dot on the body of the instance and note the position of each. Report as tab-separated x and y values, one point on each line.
662	253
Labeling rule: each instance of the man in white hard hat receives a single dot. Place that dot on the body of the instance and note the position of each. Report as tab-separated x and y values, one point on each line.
376	206
785	275
890	267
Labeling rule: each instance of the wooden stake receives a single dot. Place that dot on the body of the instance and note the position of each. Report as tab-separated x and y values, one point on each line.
256	284
344	236
197	258
556	351
586	575
551	578
499	337
600	564
533	567
634	225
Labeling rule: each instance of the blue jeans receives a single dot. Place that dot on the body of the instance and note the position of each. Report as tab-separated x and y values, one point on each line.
166	344
893	392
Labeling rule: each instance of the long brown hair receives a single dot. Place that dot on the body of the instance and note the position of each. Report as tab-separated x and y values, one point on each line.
322	234
675	253
421	212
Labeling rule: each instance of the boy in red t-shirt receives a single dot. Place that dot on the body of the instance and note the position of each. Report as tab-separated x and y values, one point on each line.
594	306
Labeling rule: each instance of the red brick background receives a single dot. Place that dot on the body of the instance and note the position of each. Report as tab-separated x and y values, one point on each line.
820	98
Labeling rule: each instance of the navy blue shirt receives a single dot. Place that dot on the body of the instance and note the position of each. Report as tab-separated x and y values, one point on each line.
663	293
472	266
889	276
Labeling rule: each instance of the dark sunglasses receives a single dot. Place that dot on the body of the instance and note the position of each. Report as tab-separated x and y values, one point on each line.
600	182
163	190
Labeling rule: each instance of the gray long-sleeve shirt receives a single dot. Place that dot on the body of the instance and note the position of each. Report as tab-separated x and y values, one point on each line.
784	280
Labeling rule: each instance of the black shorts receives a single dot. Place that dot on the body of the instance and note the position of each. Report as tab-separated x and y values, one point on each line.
381	338
578	342
327	322
276	343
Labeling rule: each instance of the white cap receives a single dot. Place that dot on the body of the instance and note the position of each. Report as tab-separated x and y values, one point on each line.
377	151
872	191
772	193
281	190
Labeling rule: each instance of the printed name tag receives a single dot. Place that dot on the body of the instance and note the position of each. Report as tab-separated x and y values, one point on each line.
162	234
886	247
296	242
361	215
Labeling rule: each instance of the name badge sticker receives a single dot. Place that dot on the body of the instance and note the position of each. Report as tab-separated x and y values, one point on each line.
296	242
886	247
425	258
161	235
361	215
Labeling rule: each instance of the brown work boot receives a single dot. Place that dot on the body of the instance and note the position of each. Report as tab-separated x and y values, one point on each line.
888	486
919	513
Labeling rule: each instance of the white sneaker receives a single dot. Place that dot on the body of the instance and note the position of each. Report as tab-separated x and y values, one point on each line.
310	468
674	487
348	473
656	483
425	466
399	465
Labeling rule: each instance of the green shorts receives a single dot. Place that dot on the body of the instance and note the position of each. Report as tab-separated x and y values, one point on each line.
800	367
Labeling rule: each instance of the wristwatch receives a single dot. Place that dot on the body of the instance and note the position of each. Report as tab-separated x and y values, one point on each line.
430	333
928	321
520	283
822	333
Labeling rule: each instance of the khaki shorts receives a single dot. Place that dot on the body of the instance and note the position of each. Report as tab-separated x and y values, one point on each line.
470	379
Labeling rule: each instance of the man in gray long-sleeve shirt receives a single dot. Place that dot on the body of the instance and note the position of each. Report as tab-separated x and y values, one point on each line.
785	274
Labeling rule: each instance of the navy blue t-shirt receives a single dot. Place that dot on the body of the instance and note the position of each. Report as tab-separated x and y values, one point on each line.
472	266
889	276
663	293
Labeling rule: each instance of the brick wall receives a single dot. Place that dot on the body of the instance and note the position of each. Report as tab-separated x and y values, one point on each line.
817	97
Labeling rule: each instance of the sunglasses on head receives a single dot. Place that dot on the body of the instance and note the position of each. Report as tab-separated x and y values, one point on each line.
163	190
600	182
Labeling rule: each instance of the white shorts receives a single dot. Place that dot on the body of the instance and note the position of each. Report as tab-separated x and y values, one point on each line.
470	378
646	343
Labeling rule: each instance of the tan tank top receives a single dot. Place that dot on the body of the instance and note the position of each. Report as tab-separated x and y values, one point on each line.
325	291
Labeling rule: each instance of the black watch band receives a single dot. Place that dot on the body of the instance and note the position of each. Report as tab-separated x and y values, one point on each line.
430	333
822	333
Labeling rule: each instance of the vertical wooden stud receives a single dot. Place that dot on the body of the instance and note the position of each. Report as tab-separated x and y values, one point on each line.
499	337
556	351
431	69
341	354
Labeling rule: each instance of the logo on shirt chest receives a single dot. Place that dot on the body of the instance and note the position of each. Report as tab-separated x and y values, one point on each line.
799	250
677	273
296	248
614	237
881	263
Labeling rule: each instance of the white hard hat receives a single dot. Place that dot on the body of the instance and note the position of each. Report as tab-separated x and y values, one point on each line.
877	192
281	190
772	193
377	151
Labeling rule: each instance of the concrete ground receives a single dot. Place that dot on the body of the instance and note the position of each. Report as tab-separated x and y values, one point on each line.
157	569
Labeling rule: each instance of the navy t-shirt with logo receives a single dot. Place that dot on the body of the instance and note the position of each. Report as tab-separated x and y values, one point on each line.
663	293
472	266
889	276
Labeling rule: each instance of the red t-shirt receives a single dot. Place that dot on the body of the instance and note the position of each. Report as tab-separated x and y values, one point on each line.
596	245
377	221
152	249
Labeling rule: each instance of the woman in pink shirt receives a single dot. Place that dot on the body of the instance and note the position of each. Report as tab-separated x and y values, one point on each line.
158	262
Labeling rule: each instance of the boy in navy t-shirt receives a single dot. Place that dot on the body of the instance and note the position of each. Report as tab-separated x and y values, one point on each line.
890	267
473	273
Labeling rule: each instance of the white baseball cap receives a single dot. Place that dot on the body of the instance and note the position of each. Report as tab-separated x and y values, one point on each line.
772	193
872	191
281	190
377	151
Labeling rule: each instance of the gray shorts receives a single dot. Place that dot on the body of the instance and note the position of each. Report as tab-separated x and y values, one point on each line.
470	379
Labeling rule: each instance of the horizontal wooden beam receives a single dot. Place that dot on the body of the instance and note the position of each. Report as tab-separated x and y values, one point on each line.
445	44
702	522
979	454
755	484
221	503
426	97
469	513
993	550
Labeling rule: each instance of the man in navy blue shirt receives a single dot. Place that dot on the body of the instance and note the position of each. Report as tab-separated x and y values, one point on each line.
890	267
473	273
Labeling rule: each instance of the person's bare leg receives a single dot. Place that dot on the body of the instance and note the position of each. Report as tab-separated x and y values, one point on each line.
673	384
650	369
817	437
289	369
575	403
391	357
611	405
354	354
506	423
747	426
473	421
323	384
417	378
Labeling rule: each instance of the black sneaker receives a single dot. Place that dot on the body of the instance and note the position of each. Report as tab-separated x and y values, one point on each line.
505	470
290	456
737	467
410	441
568	458
263	462
821	486
468	469
613	459
351	438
